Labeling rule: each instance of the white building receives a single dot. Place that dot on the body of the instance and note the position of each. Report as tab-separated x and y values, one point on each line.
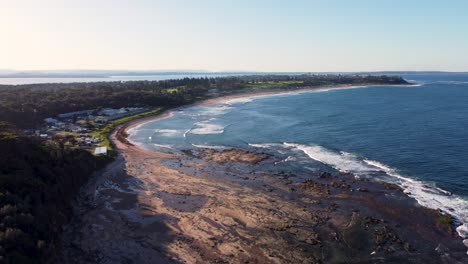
77	113
100	150
51	120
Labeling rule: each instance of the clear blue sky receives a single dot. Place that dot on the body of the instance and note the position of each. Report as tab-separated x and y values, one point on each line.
234	35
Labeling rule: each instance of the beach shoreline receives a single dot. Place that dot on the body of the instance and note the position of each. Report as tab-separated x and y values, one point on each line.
231	206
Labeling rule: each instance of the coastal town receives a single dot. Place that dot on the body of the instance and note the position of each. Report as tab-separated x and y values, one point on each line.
81	129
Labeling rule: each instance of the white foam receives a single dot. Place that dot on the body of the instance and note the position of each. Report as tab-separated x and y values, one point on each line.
452	82
262	145
209	146
217	109
426	194
204	128
133	130
241	100
379	165
187	131
463	230
250	98
342	162
167	146
413	85
168	132
140	144
289	158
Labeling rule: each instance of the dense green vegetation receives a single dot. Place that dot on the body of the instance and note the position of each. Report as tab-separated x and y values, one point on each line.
37	183
38	179
27	105
274	84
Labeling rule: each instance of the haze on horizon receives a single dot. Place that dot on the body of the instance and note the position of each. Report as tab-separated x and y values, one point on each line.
308	36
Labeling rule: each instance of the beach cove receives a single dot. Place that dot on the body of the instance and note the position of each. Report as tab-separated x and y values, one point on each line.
209	204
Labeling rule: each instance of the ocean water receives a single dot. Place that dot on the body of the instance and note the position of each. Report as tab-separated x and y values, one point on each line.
117	78
124	78
415	136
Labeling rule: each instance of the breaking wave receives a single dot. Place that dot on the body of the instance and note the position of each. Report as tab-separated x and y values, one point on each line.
341	161
166	146
168	132
452	82
241	100
427	195
217	109
209	147
204	128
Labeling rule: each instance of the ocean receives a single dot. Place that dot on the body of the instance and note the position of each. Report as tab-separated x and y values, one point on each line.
124	78
415	136
160	77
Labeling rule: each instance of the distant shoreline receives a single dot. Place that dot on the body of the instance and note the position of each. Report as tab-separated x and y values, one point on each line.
31	78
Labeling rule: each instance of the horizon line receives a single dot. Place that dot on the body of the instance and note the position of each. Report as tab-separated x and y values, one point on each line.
14	71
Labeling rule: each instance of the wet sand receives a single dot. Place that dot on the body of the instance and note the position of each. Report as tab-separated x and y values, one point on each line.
234	206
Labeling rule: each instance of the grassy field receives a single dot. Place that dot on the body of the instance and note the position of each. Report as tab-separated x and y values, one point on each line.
176	89
104	132
281	84
65	133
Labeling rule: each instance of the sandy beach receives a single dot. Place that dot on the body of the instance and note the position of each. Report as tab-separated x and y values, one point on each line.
230	206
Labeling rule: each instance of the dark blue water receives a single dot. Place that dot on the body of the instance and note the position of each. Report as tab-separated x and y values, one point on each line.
417	135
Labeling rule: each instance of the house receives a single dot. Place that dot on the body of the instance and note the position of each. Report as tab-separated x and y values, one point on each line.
101	120
213	91
100	151
111	111
78	113
73	128
51	120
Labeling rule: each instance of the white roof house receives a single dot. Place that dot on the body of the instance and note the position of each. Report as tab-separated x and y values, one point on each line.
51	120
77	113
100	150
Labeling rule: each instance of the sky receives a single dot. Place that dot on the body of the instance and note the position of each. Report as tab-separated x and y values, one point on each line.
237	35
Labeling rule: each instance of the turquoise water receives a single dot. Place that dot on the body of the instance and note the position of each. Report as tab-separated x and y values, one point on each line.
415	136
